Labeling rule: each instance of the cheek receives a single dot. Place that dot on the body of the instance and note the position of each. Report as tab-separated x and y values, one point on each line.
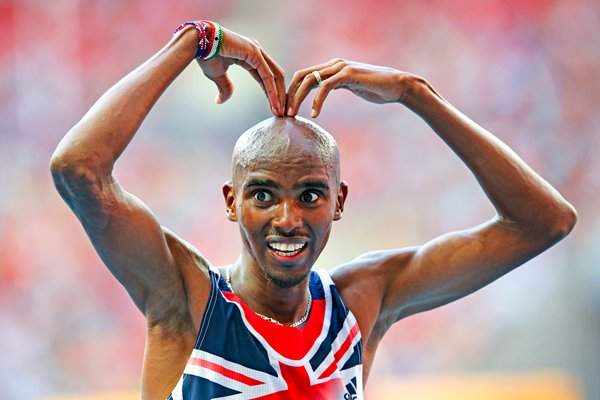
321	222
322	237
251	222
250	238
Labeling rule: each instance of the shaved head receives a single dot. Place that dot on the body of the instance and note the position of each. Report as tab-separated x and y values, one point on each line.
276	136
285	187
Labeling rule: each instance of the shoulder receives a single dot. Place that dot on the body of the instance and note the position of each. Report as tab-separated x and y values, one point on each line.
362	283
369	269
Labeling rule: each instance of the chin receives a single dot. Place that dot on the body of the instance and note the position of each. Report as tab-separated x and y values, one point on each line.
285	280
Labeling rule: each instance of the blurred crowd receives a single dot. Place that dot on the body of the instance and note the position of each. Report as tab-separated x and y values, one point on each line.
528	71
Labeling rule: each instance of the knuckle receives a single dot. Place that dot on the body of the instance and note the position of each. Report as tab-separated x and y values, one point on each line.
253	48
348	69
297	76
320	97
326	85
253	60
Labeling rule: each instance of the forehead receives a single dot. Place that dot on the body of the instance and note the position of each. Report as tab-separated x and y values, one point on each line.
286	166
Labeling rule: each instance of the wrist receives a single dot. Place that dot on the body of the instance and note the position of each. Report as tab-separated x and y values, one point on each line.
209	36
412	87
186	40
418	93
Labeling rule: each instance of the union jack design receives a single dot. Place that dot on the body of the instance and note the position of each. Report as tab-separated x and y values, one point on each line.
208	37
239	355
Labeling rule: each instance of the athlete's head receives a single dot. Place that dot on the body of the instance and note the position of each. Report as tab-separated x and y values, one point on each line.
285	192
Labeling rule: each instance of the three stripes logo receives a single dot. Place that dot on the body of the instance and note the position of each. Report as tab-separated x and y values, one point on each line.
351	390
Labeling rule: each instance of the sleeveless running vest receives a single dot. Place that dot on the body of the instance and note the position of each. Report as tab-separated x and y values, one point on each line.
239	355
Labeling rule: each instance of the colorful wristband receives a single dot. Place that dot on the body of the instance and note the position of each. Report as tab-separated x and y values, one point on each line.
216	42
210	37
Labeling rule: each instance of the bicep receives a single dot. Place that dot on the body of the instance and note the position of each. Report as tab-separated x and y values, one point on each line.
455	265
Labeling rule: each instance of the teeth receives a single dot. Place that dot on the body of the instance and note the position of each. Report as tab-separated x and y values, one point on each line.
287	247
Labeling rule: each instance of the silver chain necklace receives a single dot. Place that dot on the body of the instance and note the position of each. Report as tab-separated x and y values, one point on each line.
293	324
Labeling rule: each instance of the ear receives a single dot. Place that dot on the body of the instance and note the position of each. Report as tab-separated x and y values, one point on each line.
341	199
229	195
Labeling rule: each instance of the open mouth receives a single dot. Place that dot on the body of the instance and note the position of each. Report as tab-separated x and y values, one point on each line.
287	249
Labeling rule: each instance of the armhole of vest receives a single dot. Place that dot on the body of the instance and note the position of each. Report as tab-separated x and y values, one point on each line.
327	283
214	269
325	277
210	306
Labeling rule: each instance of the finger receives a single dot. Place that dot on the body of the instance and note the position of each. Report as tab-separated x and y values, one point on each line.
310	82
299	76
258	62
293	102
253	73
335	82
225	86
279	81
249	51
257	78
337	77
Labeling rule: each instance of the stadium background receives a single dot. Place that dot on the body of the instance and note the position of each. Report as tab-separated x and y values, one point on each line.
528	71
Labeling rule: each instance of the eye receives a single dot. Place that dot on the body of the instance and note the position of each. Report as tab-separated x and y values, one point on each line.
310	197
262	196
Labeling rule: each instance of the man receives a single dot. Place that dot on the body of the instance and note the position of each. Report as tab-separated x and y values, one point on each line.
267	327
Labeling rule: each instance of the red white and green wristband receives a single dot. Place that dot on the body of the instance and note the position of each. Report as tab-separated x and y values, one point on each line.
210	37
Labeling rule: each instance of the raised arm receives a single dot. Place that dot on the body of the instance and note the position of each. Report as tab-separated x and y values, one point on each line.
530	214
123	230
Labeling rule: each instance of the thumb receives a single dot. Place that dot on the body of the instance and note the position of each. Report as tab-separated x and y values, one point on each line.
225	86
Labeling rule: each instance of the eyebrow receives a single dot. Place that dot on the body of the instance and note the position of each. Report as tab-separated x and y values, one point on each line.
260	183
314	185
253	183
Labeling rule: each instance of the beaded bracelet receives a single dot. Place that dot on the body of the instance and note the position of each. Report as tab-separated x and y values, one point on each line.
210	37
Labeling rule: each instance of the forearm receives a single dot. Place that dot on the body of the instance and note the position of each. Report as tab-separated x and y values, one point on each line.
519	195
108	127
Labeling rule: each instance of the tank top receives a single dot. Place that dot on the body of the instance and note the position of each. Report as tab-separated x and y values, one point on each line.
238	355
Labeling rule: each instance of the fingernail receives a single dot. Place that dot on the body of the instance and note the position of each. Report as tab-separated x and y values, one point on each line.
313	113
273	110
289	111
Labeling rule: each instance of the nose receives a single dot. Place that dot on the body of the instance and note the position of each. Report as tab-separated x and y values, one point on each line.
288	218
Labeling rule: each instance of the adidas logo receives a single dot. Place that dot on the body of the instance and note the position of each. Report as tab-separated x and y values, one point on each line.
351	390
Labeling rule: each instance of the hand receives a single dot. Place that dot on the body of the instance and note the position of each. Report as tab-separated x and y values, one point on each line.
372	83
247	53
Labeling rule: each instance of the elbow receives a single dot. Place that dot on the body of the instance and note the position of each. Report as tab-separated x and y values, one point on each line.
565	222
72	171
560	223
77	158
60	165
67	168
550	226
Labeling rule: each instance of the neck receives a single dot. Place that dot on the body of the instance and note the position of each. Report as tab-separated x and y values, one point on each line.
286	305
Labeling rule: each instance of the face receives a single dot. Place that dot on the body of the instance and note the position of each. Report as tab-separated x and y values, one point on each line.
285	204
